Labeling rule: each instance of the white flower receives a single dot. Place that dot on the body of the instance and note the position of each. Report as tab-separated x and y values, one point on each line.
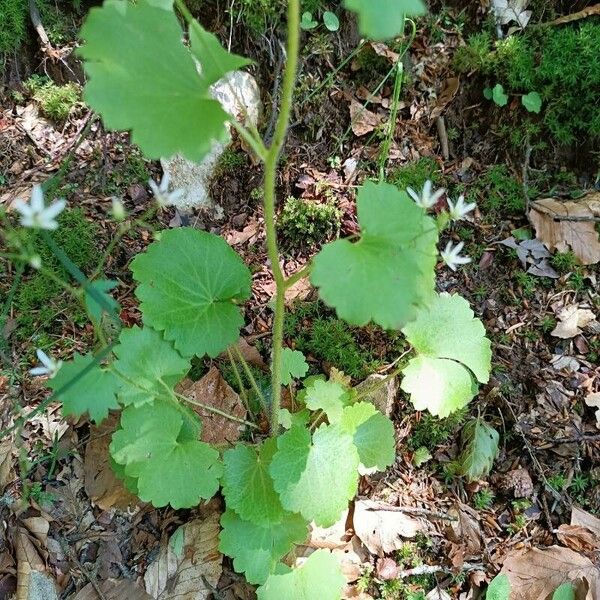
35	214
459	210
162	194
426	199
49	366
35	261
118	210
451	255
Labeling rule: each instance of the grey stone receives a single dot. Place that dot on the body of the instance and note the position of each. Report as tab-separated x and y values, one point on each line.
239	95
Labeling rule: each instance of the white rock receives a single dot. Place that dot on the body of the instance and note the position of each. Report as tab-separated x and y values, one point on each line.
239	95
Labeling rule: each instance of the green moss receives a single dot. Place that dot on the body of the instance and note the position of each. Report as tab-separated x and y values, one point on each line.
13	24
564	262
497	191
431	431
559	63
328	339
39	299
132	169
56	101
230	161
306	224
415	174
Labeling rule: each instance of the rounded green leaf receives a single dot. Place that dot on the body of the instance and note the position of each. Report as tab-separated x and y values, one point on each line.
155	447
307	22
320	577
247	484
141	77
373	435
438	385
564	591
329	396
315	478
293	365
331	21
93	392
498	95
532	102
189	283
389	272
146	364
256	549
384	19
447	328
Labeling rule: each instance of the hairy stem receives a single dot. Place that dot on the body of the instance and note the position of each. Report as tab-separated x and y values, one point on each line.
271	162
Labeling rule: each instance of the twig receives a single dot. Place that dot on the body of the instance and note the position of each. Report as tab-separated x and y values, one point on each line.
431	569
525	172
443	135
415	511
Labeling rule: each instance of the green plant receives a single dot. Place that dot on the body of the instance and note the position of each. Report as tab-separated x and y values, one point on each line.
475	54
39	298
56	101
13	24
480	447
191	286
564	262
483	499
305	223
557	482
430	431
414	175
526	282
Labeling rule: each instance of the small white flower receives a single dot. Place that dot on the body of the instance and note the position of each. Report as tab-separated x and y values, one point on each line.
35	214
426	199
459	210
451	255
35	261
49	366
118	210
162	194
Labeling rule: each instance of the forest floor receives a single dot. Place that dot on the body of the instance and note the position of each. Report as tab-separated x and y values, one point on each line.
430	533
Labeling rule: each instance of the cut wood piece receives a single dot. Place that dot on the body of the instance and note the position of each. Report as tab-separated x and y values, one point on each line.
569	225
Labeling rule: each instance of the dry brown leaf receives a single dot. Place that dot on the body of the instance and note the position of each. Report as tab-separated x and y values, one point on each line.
329	537
185	577
363	121
213	390
583	518
6	468
536	573
464	534
383	531
32	581
112	589
249	352
593	400
578	538
571	320
384	50
382	396
235	238
449	91
569	225
352	559
101	484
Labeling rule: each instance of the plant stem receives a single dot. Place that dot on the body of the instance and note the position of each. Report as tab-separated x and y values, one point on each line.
271	162
298	275
250	377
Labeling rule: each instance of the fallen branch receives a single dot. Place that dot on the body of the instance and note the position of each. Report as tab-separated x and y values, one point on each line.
431	569
36	20
582	14
424	512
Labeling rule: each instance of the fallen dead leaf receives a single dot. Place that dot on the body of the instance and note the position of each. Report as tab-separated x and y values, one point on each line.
32	580
212	390
6	468
329	537
535	573
382	396
569	225
235	238
383	531
387	569
251	355
449	91
363	121
464	534
185	577
101	484
512	10
578	538
593	400
112	589
384	50
583	518
571	320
